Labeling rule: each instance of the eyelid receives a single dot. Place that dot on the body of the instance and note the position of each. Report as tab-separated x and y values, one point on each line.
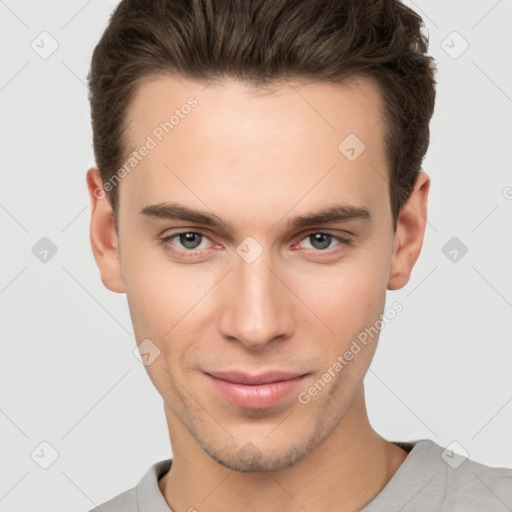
326	231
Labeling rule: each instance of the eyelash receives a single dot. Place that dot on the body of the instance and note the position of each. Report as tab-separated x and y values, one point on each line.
192	252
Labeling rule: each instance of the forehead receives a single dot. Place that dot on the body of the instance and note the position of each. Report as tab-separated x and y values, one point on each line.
279	142
353	105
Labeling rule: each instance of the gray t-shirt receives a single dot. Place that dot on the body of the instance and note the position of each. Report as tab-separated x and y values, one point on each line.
430	479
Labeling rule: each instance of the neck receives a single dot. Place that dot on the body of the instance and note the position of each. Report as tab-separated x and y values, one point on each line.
344	472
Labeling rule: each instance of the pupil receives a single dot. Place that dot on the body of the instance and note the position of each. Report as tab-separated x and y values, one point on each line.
323	239
187	239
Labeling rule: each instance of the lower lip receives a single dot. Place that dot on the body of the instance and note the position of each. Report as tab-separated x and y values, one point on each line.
259	396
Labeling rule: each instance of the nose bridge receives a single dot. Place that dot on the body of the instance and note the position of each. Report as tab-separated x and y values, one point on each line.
258	311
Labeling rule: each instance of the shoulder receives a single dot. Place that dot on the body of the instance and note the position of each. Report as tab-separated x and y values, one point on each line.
146	495
473	486
436	479
456	483
124	502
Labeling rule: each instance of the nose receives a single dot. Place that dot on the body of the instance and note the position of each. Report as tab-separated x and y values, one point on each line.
257	307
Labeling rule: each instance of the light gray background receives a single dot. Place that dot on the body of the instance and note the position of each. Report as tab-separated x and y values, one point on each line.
69	377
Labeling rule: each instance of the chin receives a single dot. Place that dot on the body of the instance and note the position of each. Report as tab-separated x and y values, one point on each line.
248	458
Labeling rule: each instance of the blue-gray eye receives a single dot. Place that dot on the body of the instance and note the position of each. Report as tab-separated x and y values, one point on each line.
190	240
320	240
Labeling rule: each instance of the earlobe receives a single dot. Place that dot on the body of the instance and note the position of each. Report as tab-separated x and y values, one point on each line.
411	224
104	241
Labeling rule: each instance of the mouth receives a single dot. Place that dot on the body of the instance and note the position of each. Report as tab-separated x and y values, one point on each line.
260	391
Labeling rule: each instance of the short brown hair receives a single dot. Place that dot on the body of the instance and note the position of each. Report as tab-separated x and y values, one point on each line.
262	42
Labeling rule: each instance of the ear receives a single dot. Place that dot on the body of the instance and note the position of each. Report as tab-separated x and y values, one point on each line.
104	242
410	229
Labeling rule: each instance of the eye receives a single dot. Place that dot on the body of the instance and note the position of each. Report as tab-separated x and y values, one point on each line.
193	243
320	241
188	240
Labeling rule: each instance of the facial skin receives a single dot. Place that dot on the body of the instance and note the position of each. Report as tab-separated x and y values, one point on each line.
256	161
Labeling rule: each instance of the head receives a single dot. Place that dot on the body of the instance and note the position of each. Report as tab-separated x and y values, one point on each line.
258	190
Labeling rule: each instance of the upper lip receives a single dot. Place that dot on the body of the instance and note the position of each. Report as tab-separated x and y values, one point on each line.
262	378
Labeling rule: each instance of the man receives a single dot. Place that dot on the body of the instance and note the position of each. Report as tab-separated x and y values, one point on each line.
257	191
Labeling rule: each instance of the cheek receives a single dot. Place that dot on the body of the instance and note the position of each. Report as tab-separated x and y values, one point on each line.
165	299
352	301
347	296
159	301
154	292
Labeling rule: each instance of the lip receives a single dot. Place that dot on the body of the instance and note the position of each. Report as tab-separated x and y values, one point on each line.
255	391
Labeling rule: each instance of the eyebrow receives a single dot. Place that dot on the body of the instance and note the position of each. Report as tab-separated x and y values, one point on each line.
175	211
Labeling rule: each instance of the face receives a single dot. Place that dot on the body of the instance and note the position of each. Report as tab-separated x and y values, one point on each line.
253	239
